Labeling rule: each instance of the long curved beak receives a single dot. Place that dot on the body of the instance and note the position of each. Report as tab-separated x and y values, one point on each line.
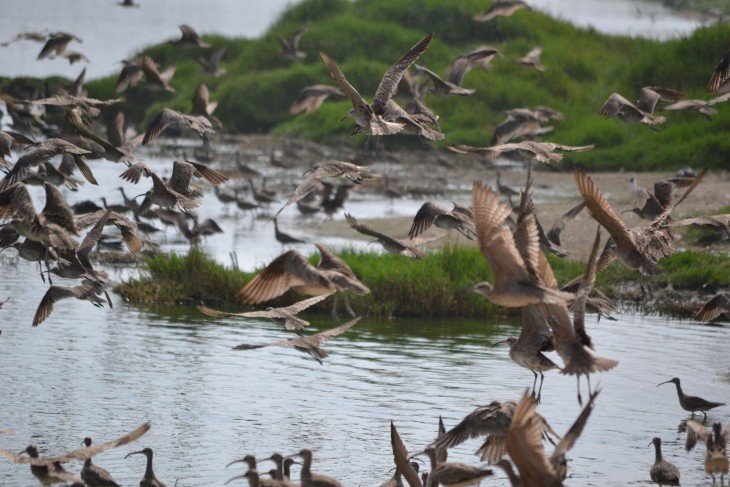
465	290
667	382
133	453
235	478
240	460
650	443
498	343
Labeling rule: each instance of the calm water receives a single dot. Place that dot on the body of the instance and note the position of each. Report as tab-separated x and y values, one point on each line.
112	33
101	372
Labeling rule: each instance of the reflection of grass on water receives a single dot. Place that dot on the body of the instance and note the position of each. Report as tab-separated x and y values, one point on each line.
403	287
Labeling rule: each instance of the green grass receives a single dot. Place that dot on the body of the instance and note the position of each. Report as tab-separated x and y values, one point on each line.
402	287
261	84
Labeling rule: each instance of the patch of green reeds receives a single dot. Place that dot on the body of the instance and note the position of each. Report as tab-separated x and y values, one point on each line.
402	287
184	279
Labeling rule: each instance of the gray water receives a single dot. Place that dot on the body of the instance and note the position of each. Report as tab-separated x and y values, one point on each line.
102	372
111	33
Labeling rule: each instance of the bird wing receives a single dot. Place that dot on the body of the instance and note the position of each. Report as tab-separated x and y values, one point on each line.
305	303
535	331
91	239
211	175
392	77
182	175
713	308
135	172
425	217
89	451
199	101
696	431
367	230
288	270
615	104
160	123
584	290
15	200
355	97
601	210
574	432
401	458
321	337
435	78
553	235
493	419
720	75
524	444
495	239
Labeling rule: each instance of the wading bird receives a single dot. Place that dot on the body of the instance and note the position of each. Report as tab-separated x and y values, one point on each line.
692	404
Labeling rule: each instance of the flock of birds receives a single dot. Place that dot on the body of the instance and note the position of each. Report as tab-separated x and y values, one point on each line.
510	238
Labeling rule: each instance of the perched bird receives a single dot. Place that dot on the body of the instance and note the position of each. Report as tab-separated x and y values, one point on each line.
390	244
692	404
312	479
459	218
93	475
716	442
503	8
168	117
189	38
527	350
285	316
284	238
310	344
291	270
311	98
290	45
49	470
372	118
662	472
148	479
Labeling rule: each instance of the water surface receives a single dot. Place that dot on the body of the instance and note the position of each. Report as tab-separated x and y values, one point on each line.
101	372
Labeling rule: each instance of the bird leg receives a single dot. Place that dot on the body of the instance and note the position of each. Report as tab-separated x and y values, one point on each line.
40	269
348	308
335	316
580	399
48	267
534	383
539	392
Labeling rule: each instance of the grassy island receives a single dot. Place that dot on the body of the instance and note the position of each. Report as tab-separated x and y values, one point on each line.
428	288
